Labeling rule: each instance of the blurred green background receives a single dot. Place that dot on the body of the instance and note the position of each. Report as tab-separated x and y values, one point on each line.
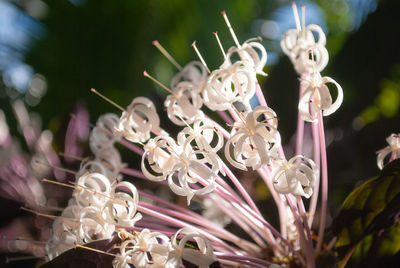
52	52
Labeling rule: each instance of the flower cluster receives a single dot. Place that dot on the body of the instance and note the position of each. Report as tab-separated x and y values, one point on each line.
196	164
192	165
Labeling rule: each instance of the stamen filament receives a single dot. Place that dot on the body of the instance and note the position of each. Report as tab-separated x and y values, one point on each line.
219	43
200	57
230	29
296	16
107	99
95	250
55	167
303	18
167	55
46	215
159	83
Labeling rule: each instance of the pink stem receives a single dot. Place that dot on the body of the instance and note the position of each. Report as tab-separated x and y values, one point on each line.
180	223
211	227
260	95
239	221
324	182
300	124
300	231
133	172
264	173
317	160
131	146
234	257
308	231
240	187
225	117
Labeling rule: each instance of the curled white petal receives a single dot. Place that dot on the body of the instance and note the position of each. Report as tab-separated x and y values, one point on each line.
146	249
159	158
139	120
393	150
253	143
203	257
296	44
104	134
248	52
291	176
203	135
316	97
185	104
234	83
194	72
110	158
121	209
92	225
93	189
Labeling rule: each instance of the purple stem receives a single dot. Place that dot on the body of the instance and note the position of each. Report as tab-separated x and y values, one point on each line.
317	160
131	146
225	117
300	126
324	182
180	223
252	260
300	231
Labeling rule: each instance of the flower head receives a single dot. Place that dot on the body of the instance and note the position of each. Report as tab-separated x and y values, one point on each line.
393	149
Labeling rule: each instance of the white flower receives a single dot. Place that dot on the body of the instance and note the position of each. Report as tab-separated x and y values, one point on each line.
163	158
191	167
203	135
139	120
296	44
202	257
194	72
253	142
316	97
91	166
93	226
93	189
110	158
393	148
290	176
146	249
159	158
104	134
184	104
121	209
229	84
247	52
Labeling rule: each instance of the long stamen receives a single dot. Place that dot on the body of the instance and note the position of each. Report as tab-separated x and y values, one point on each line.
75	186
167	55
200	57
59	183
107	99
55	167
95	250
303	18
230	28
296	16
46	215
220	45
22	258
159	83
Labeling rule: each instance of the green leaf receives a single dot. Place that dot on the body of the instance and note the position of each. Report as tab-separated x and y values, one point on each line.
367	225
